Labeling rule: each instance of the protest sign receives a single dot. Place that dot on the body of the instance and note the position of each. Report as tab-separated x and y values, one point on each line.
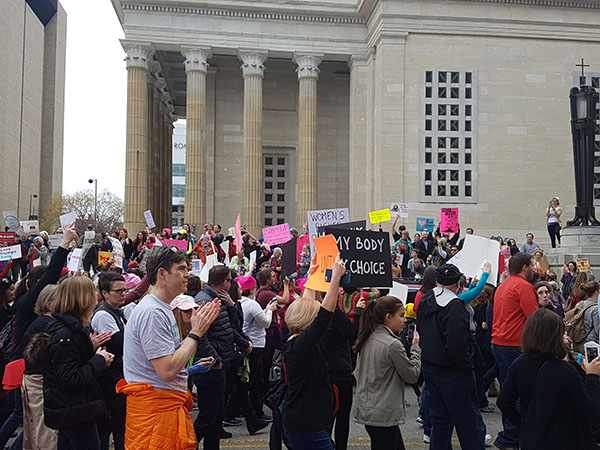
366	255
11	221
158	242
211	261
179	243
12	252
399	210
399	290
54	241
288	260
225	248
278	234
327	251
88	239
37	262
237	233
359	225
30	226
66	220
322	218
149	219
75	260
425	224
381	215
105	258
300	241
196	267
251	260
449	220
7	238
118	253
477	250
583	264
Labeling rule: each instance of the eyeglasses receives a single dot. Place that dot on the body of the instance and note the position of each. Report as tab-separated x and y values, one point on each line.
229	279
120	291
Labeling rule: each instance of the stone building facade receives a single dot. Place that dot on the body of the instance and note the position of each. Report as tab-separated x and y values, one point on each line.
292	106
32	89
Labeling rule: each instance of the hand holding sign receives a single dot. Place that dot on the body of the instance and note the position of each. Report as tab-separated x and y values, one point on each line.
66	220
70	235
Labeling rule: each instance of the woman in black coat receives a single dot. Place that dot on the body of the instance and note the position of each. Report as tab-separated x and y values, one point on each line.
557	408
73	398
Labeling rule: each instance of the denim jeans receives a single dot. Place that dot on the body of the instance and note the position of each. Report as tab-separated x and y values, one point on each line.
453	403
211	400
424	410
504	356
308	440
15	420
82	438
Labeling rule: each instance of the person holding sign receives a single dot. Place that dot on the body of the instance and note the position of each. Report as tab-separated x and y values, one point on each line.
309	406
382	369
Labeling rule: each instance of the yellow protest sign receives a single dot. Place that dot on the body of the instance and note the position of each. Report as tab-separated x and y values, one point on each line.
382	215
105	258
583	264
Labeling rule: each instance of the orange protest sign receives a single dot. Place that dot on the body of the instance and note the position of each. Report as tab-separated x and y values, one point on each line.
104	258
327	251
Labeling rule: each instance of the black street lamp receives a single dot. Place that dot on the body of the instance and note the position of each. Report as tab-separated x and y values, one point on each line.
31	197
95	181
583	128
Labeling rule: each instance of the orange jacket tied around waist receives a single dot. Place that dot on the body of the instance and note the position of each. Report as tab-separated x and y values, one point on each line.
157	419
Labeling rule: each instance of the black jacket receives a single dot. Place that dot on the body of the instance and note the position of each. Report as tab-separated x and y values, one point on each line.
339	338
24	305
556	413
446	337
72	391
218	340
420	247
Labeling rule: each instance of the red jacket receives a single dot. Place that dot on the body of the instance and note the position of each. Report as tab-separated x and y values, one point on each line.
515	300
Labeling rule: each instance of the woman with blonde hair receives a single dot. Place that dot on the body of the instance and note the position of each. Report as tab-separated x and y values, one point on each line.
73	397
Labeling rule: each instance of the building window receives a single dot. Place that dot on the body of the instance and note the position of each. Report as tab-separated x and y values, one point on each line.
275	188
179	170
593	79
449	136
178	190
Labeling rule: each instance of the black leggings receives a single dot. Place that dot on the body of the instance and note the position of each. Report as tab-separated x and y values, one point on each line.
342	418
554	232
385	438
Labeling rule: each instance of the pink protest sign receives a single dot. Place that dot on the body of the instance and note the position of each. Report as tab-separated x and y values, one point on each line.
279	234
300	243
238	233
449	220
179	243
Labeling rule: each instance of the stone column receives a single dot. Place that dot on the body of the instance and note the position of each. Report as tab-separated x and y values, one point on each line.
136	166
308	73
195	166
252	204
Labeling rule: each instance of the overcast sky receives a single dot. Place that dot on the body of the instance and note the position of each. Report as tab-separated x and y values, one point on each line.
95	98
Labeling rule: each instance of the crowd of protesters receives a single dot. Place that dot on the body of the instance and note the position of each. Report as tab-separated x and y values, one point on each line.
121	356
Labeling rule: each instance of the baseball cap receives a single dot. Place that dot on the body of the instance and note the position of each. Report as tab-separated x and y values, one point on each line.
183	302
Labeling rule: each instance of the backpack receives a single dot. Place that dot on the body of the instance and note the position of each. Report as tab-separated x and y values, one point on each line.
574	323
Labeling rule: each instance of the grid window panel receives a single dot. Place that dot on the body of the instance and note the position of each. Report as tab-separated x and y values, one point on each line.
268	173
268	210
281	186
449	139
268	221
268	185
281	210
281	173
281	161
269	161
280	221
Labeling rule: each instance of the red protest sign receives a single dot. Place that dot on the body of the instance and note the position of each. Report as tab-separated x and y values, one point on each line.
7	238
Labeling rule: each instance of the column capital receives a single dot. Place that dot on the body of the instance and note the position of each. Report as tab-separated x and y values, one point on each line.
138	55
252	63
308	65
196	58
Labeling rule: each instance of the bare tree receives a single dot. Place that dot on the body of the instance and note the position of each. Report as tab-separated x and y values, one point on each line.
109	211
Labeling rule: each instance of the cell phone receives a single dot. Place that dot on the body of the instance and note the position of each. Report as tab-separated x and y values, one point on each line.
591	351
273	300
412	327
343	282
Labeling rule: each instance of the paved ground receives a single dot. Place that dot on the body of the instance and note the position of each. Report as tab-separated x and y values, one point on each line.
411	431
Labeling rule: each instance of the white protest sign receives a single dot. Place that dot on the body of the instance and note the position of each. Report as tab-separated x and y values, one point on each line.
196	267
88	239
67	219
149	219
118	253
211	261
399	290
399	210
75	260
12	252
225	248
477	250
158	242
252	260
11	220
322	218
37	262
30	226
54	241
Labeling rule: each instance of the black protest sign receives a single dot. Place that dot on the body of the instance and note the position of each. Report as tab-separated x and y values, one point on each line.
359	225
288	260
366	255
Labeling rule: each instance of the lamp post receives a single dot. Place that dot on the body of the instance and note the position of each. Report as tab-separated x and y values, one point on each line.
31	197
583	127
95	181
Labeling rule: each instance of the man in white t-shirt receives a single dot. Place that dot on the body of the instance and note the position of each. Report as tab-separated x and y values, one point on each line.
154	357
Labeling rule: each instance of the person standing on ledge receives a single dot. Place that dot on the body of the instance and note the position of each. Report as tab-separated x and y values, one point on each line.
553	213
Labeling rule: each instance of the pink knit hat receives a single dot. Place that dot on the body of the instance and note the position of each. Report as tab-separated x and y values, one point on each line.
131	280
246	283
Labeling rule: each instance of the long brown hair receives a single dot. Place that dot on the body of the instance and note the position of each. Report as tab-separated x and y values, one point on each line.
76	296
374	316
580	280
184	328
543	335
